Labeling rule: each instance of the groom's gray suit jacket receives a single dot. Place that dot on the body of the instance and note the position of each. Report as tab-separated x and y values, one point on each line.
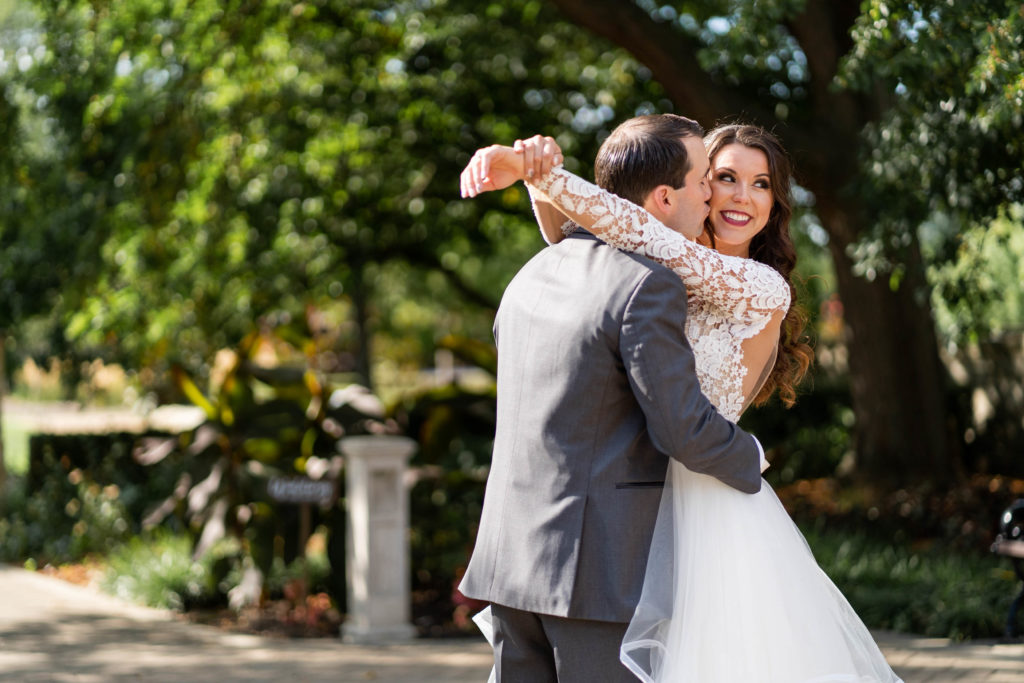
596	386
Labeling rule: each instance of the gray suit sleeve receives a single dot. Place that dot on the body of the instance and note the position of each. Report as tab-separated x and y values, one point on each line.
659	362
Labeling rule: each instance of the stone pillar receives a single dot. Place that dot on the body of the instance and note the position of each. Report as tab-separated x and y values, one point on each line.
377	542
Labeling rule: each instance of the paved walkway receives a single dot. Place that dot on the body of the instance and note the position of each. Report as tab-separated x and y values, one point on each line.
55	631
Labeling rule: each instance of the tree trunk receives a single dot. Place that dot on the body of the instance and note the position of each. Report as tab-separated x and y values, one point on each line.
360	302
897	381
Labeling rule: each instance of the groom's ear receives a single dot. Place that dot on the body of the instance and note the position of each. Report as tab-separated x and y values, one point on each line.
659	200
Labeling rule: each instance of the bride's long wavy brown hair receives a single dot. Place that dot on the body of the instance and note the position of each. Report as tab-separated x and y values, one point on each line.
773	246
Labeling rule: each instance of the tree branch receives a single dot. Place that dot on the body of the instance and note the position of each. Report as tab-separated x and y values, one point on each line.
823	31
416	255
820	134
671	56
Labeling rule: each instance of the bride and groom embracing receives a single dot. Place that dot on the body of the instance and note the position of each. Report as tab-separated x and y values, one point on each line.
626	531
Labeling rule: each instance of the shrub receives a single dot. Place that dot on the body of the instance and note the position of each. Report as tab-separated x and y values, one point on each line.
931	592
68	516
158	570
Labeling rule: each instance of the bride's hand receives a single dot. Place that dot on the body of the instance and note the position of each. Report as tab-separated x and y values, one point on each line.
540	154
491	168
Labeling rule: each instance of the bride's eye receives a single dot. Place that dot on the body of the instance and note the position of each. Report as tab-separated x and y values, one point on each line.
725	177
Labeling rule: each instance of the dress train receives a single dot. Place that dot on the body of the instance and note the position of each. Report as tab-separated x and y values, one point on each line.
733	593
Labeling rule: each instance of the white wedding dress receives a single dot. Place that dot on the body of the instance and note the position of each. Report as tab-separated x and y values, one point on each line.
732	592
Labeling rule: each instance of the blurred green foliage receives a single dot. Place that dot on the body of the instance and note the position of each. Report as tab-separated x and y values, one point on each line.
931	591
158	569
977	293
222	164
268	415
949	140
454	425
182	176
186	172
83	494
809	440
15	444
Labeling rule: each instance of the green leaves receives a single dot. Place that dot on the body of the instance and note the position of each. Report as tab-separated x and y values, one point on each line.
187	171
977	293
219	164
951	138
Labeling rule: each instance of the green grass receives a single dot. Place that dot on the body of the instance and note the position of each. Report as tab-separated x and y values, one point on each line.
6	8
930	592
15	436
158	571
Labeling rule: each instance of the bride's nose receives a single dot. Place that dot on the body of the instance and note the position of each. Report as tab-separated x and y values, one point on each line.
739	192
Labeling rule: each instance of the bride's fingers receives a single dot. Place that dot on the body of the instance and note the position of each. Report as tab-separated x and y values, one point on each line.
483	179
471	179
529	156
549	148
468	178
471	176
542	163
474	175
483	169
519	147
465	179
556	153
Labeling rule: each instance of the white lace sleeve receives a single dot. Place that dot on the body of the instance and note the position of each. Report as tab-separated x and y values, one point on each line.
553	224
742	289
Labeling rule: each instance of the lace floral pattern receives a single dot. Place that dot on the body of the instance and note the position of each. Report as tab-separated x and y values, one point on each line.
731	299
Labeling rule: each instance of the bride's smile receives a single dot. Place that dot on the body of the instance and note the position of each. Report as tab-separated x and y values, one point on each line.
741	197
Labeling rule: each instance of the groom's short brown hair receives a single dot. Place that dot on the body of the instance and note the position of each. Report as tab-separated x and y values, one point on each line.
644	152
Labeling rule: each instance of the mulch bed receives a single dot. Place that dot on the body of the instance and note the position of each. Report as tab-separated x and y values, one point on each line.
282	618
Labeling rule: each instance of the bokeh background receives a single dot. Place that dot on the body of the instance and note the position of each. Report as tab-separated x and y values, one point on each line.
252	208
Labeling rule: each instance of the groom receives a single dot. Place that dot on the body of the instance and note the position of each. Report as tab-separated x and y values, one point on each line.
596	390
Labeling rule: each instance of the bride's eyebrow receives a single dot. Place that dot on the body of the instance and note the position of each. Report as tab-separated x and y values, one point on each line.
726	169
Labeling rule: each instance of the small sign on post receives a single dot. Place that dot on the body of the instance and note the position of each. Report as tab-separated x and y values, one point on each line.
302	490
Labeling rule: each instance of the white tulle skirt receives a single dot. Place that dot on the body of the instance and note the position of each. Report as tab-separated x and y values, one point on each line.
485	623
732	593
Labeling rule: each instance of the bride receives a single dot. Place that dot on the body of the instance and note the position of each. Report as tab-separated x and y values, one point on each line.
732	591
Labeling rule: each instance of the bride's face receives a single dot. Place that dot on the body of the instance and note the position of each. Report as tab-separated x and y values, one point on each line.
741	197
